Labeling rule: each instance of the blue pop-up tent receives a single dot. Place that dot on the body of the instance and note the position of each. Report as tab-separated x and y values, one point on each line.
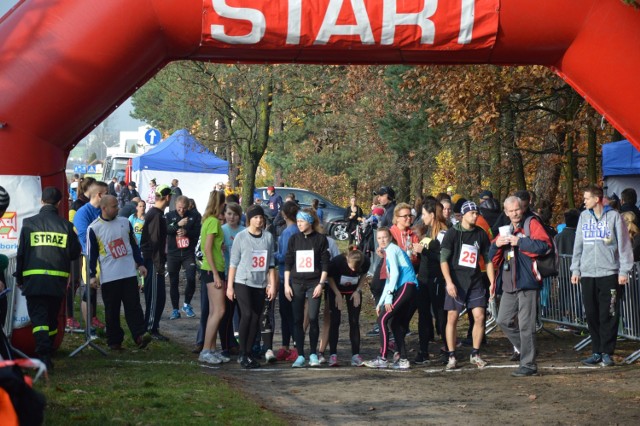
620	167
182	157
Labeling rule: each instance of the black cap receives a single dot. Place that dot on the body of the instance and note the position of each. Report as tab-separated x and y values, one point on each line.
4	199
485	193
254	210
132	184
457	207
386	190
51	195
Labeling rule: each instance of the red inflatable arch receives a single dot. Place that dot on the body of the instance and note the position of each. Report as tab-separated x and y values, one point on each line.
67	64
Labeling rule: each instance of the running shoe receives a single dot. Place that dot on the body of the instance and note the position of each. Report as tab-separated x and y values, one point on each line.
396	356
314	361
188	310
175	314
293	355
222	356
299	363
421	358
321	359
379	362
282	354
209	357
593	360
143	341
248	362
375	331
357	361
269	356
452	364
607	361
401	364
96	323
515	356
333	360
72	324
476	360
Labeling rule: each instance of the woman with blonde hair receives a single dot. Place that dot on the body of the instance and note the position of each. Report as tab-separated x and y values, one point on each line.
212	278
634	233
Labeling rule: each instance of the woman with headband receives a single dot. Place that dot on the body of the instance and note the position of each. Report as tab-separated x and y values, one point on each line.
305	276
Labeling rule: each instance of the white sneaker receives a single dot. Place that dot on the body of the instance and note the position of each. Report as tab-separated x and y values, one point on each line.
222	357
321	359
452	364
379	362
209	357
476	360
401	364
269	356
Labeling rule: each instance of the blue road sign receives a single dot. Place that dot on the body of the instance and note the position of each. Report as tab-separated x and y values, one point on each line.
91	169
152	136
80	169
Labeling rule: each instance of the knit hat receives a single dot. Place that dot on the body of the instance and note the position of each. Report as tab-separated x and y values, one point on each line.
51	195
4	199
378	211
254	210
468	206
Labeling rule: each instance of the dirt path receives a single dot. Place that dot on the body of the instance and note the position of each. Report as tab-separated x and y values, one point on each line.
564	393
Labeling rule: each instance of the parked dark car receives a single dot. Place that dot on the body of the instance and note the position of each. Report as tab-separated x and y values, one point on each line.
334	216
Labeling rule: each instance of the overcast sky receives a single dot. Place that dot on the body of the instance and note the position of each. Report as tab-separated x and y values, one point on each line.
121	118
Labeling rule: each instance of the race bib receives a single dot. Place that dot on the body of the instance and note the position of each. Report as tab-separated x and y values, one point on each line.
182	242
258	261
347	281
305	259
117	248
468	256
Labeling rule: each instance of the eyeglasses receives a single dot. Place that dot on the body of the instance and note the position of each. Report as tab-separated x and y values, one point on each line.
405	216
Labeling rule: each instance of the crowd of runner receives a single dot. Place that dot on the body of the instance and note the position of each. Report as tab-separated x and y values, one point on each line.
439	257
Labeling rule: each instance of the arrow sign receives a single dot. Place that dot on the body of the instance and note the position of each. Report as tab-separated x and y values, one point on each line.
152	136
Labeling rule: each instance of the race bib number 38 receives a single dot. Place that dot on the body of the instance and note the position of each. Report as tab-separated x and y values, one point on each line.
117	248
305	260
468	256
258	260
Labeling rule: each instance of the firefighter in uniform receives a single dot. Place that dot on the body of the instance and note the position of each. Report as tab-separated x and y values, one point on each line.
46	248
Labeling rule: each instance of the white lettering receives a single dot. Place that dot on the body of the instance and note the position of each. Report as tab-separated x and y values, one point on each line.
329	27
256	17
466	22
391	19
295	22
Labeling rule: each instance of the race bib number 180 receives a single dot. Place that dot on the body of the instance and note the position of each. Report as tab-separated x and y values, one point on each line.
468	256
117	248
305	260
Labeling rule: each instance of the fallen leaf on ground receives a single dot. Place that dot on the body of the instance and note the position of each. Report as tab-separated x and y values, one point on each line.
532	397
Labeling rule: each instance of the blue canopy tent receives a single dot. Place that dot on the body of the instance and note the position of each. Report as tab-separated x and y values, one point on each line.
182	157
620	167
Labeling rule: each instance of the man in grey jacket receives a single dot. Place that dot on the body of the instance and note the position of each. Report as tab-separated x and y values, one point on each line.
602	260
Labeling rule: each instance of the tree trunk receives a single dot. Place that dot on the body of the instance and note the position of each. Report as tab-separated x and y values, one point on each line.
512	141
592	164
569	172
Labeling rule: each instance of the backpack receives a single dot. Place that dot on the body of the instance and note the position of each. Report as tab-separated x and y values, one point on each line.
548	264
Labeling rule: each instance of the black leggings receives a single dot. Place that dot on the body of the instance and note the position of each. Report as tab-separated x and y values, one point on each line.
302	292
398	319
430	298
354	322
250	302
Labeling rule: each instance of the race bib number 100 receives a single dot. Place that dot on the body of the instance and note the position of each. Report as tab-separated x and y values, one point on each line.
305	260
468	256
117	248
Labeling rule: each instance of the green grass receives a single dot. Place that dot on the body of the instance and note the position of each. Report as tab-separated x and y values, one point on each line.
161	385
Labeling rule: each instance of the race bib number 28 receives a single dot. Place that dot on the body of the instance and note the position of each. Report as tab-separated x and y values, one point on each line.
305	260
468	256
117	248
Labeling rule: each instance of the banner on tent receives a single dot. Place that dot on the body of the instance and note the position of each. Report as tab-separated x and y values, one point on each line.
25	193
356	24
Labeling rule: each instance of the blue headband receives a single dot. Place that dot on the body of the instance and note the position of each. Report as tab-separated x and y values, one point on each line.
305	216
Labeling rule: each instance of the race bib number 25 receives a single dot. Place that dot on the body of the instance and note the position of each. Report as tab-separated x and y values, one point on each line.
468	256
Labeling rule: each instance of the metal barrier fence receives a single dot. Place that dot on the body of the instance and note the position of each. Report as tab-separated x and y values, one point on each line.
561	303
10	282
